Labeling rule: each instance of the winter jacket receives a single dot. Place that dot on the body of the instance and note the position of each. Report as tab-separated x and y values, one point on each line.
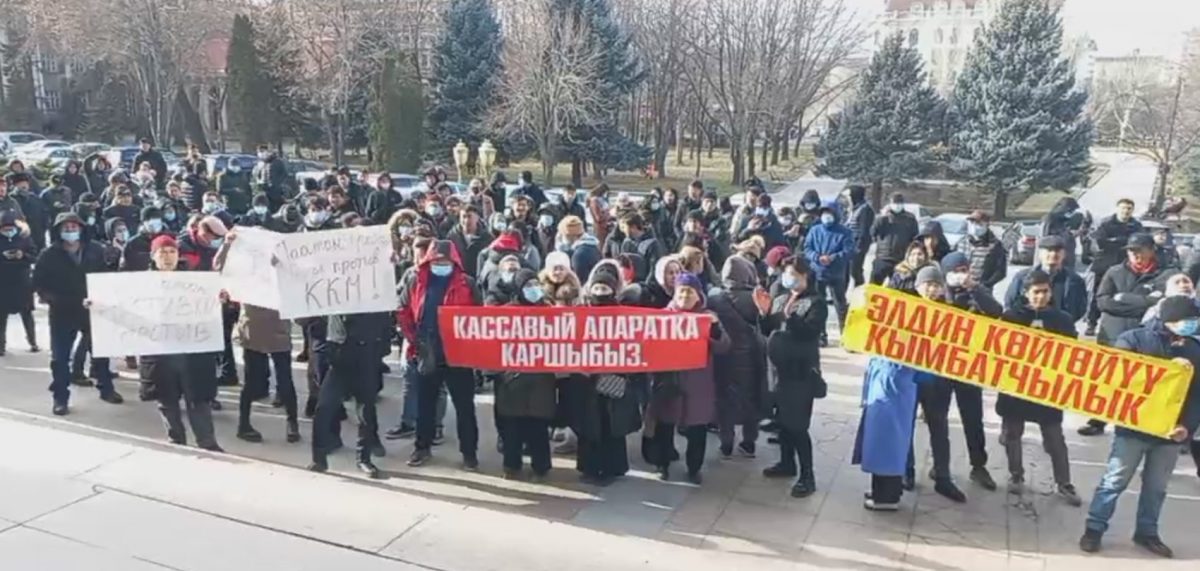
646	246
235	187
793	346
460	290
197	257
1055	321
135	257
16	258
62	282
862	217
1123	299
892	233
768	228
584	253
695	401
976	300
1069	292
889	409
1064	220
58	199
381	204
157	162
741	368
470	246
75	181
1156	340
989	258
833	240
272	177
941	245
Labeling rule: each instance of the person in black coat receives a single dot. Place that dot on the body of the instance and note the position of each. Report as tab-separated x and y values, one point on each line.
36	213
259	215
934	238
60	279
471	236
658	220
271	176
17	253
135	257
892	232
989	257
57	198
531	189
640	240
860	220
74	179
1064	219
383	201
149	154
123	208
1036	309
741	372
795	321
1070	291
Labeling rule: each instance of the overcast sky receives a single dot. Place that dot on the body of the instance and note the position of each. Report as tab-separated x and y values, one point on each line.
1117	26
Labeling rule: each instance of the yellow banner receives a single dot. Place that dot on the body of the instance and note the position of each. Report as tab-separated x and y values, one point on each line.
1121	387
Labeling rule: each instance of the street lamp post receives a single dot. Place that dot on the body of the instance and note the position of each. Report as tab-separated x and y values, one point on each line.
487	158
461	154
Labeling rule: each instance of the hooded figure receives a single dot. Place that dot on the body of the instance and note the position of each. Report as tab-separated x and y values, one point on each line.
659	218
506	243
383	201
934	239
742	370
810	210
658	290
439	280
1064	219
904	278
560	282
74	179
862	217
893	231
17	253
526	402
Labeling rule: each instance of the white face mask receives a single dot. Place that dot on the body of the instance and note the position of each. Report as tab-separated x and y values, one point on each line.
896	208
956	279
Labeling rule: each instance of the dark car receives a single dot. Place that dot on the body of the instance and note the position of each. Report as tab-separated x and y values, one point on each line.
1021	238
218	162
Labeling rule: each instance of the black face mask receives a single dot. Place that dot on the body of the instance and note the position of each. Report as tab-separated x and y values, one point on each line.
610	299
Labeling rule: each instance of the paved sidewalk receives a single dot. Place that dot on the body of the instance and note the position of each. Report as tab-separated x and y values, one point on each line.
101	488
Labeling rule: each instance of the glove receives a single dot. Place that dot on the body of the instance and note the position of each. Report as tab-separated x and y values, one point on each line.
1119	297
715	332
1155	294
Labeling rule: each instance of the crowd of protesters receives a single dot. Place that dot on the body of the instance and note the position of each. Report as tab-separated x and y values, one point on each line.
766	273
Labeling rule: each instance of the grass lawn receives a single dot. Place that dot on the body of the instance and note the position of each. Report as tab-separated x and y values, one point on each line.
716	173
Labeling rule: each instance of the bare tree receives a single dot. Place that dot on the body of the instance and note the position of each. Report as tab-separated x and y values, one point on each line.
153	42
550	69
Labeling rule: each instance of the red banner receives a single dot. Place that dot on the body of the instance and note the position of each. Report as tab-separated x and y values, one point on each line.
574	339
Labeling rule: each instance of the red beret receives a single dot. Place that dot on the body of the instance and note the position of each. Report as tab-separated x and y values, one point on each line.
166	240
776	255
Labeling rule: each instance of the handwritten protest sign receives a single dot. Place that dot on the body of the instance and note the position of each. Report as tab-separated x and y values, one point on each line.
248	274
335	272
155	313
574	339
1135	391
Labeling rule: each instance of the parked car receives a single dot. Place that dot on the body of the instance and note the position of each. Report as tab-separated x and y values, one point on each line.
219	162
9	140
82	150
1020	238
39	145
57	157
954	226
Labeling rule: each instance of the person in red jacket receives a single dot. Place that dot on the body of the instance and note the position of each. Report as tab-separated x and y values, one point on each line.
439	280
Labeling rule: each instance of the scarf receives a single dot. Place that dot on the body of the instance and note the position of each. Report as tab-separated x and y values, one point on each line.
1143	268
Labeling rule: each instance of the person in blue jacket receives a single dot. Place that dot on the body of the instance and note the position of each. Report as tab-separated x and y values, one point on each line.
829	248
889	410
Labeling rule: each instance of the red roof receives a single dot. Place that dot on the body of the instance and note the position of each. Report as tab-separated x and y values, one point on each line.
214	53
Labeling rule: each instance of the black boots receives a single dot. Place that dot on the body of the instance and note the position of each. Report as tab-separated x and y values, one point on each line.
805	486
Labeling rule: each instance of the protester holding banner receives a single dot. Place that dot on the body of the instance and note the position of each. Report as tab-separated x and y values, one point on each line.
1070	291
885	431
1170	337
60	279
439	280
316	219
1036	309
187	376
795	321
1125	293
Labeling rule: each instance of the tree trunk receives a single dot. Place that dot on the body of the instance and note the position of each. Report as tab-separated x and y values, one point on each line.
1159	196
577	172
1000	207
735	156
785	152
765	150
712	141
750	172
678	141
597	172
776	141
877	195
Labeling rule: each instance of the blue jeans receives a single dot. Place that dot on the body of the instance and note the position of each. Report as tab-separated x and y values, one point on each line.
408	410
1127	452
62	341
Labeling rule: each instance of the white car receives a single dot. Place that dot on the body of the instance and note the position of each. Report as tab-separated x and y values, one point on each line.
9	140
954	226
40	145
58	157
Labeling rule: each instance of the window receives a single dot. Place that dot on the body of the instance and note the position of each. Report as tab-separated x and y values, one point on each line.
51	65
913	37
938	37
954	36
53	101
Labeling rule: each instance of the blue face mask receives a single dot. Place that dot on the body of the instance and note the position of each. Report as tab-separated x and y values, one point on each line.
9	232
260	210
154	225
827	219
91	221
169	215
788	281
533	294
762	211
216	243
211	207
1187	328
441	270
70	236
122	235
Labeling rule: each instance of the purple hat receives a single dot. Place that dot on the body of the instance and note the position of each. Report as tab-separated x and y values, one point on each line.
692	281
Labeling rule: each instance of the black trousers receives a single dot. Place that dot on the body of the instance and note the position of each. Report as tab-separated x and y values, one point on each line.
1195	445
857	267
604	456
460	383
795	444
26	321
934	398
354	371
258	382
881	270
520	432
226	366
664	445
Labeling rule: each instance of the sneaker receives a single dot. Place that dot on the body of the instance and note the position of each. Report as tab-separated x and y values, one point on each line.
803	488
400	432
1016	484
318	466
293	431
779	471
727	451
470	462
948	490
874	506
419	457
369	469
695	478
217	406
1154	545
746	449
33	348
1091	430
249	434
439	436
1090	542
566	448
112	397
214	447
981	476
1068	493
81	380
61	409
301	357
1090	331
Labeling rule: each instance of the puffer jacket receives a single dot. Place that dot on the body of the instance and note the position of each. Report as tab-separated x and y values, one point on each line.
893	232
1069	292
833	240
989	259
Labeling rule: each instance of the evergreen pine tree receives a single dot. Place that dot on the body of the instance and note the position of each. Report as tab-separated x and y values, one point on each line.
251	108
397	115
888	131
1019	119
19	110
466	72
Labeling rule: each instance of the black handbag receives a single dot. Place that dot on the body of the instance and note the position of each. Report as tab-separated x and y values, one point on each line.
820	387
